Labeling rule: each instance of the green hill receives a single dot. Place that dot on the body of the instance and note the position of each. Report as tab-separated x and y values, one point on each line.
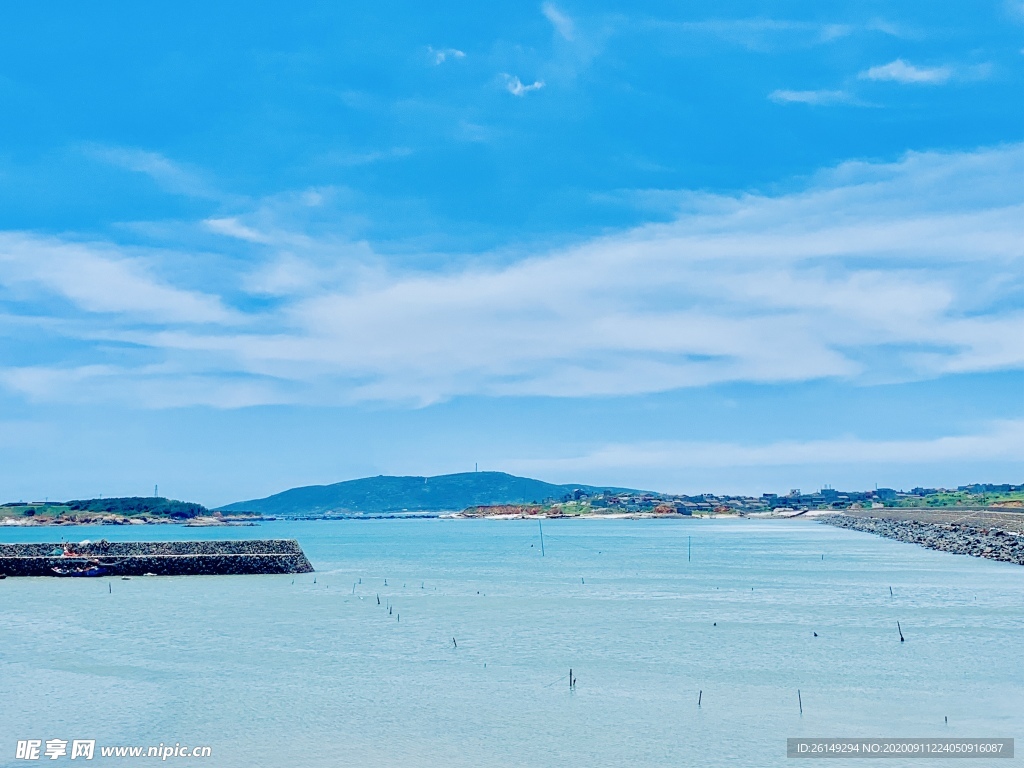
127	506
385	493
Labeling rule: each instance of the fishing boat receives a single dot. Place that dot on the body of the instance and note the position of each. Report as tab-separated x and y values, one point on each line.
89	570
86	568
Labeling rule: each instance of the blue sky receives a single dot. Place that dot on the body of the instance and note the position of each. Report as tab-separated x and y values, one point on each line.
734	247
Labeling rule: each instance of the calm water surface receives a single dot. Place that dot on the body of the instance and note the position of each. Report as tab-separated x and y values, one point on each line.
282	671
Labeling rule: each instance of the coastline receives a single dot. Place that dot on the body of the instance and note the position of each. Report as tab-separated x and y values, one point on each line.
110	519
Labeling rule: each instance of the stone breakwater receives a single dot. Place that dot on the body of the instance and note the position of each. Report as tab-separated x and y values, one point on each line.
993	543
161	558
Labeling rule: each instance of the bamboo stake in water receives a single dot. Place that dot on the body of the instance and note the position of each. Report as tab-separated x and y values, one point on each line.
800	701
700	696
688	548
541	525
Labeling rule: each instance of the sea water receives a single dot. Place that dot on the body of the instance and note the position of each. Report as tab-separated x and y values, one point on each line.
689	642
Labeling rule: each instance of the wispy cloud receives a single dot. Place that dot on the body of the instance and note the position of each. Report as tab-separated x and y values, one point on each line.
1003	440
98	278
900	71
516	87
366	158
873	272
560	21
169	175
820	97
763	34
441	55
232	227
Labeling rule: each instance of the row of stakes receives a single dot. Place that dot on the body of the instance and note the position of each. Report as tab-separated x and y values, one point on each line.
572	678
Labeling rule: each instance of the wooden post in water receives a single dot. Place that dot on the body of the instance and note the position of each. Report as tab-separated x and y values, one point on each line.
570	678
800	701
900	629
700	696
541	525
688	548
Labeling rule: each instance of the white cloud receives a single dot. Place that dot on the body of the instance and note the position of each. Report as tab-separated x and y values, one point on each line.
98	279
441	55
822	97
151	386
516	87
562	23
1001	441
873	272
366	158
169	175
763	34
232	227
900	71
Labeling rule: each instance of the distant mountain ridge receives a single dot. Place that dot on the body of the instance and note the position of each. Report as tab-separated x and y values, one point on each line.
387	493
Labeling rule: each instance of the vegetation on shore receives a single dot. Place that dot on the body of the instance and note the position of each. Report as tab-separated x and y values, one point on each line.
584	508
119	510
964	498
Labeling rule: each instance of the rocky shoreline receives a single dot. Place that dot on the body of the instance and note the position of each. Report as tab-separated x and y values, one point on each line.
161	558
955	538
107	518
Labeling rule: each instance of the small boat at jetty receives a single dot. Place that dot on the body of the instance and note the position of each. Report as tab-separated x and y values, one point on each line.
85	566
88	570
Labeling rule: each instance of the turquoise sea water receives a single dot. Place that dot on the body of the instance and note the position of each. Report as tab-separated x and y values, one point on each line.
274	673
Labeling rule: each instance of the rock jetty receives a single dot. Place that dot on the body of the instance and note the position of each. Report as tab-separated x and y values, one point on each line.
959	539
160	558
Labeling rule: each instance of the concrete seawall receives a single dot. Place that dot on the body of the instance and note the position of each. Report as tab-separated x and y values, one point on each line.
161	558
956	538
